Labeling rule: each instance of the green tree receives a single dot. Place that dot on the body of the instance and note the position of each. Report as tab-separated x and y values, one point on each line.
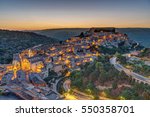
122	59
114	85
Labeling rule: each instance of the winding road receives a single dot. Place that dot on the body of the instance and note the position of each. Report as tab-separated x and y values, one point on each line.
137	77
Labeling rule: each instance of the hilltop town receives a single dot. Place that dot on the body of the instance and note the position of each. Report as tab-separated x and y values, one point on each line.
26	75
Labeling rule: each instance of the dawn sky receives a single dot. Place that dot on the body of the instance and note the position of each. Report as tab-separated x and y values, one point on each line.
44	14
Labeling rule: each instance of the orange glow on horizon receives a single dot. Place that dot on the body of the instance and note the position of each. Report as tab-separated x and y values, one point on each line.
47	25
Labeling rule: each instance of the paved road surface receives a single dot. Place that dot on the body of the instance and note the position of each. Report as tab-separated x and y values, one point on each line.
128	72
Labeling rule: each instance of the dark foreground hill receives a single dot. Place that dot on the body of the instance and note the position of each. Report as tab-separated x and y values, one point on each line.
15	41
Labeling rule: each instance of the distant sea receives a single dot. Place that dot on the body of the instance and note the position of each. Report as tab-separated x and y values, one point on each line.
141	35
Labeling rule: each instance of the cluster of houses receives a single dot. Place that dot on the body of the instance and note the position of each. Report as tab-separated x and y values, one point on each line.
68	55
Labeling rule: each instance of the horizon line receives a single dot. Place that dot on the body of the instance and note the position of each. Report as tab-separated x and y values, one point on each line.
11	29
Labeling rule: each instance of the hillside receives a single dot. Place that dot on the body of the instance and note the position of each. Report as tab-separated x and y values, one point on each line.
63	33
145	53
15	41
101	79
141	35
